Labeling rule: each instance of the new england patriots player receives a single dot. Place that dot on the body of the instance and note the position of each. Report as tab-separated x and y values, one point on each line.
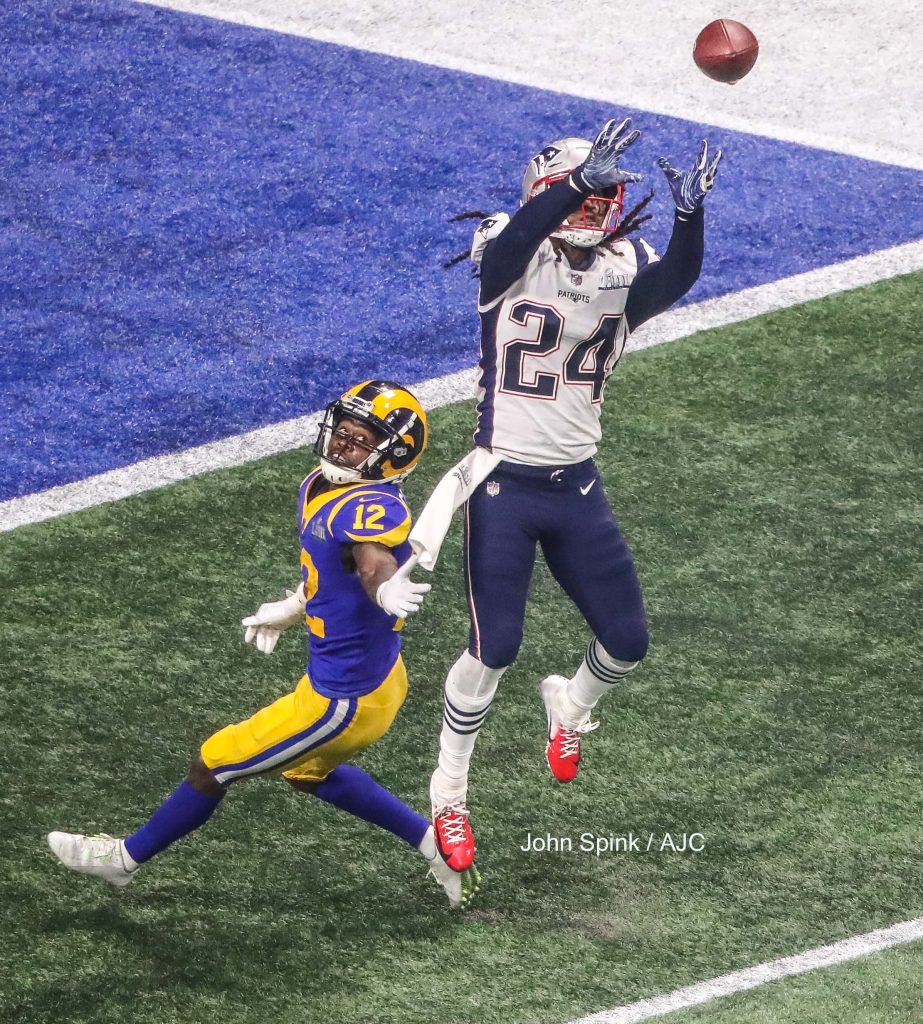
355	592
560	292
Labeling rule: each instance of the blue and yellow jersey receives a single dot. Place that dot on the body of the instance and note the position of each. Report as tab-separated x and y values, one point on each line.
352	643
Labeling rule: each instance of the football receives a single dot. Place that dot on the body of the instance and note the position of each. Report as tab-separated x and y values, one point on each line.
725	50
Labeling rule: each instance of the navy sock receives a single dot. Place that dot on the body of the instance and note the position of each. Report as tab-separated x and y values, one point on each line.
184	810
356	792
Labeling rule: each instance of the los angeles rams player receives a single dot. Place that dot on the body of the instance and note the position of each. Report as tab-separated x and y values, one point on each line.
355	592
559	294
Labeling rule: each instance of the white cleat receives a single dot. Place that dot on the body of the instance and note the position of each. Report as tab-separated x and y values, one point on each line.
100	855
460	886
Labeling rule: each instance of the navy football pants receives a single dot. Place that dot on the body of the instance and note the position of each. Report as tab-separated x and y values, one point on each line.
566	511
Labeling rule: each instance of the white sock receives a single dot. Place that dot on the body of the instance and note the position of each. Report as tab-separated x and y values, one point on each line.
128	862
428	844
469	690
597	674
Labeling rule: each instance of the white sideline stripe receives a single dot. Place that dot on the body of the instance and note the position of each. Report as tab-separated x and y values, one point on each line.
391	29
753	977
789	291
439	391
640	100
170	469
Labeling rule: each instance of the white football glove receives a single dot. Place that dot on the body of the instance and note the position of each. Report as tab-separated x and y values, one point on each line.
399	595
271	619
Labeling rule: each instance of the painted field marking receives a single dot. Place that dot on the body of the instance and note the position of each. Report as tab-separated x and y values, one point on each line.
438	391
753	977
651	75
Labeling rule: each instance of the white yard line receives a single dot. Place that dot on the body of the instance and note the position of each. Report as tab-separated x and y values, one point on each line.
637	53
439	391
753	977
790	291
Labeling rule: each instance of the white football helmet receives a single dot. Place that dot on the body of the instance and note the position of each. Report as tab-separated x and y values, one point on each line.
556	161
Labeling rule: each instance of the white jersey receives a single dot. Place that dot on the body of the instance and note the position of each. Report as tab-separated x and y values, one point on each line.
548	345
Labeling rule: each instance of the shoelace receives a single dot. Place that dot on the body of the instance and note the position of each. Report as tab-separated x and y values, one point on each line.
452	818
100	848
570	738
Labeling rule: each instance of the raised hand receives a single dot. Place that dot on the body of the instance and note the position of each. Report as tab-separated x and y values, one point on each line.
601	168
690	187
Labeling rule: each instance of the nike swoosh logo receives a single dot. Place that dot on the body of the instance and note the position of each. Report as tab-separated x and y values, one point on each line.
588	488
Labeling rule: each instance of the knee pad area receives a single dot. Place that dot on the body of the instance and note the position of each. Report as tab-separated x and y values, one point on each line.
626	643
471	679
496	653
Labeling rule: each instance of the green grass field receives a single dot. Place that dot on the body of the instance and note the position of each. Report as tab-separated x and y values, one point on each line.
766	477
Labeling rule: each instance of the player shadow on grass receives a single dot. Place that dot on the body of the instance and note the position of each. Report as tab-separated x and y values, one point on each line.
378	899
156	940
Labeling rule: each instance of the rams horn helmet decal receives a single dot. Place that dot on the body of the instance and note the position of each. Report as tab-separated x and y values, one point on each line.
399	423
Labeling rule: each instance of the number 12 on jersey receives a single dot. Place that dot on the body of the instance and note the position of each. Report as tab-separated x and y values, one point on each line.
368	517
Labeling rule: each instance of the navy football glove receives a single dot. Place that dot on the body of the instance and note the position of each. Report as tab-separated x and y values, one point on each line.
601	168
689	188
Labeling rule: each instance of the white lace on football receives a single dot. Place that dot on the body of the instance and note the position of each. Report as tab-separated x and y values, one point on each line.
452	818
570	738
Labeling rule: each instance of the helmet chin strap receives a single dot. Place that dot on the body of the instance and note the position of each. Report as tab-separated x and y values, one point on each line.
339	474
581	238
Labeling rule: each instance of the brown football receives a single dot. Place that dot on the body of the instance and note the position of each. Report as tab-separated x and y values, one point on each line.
725	50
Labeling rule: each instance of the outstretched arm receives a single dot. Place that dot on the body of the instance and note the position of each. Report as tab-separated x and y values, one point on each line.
661	284
507	256
386	583
271	619
505	259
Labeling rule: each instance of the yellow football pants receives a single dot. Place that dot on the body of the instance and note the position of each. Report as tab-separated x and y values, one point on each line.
305	735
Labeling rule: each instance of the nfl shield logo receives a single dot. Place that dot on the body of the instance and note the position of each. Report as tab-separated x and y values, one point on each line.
493	488
577	279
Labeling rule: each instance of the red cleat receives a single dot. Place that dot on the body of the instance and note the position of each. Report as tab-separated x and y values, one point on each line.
563	749
454	838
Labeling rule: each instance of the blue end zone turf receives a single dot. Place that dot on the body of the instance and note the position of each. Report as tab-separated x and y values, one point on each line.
208	228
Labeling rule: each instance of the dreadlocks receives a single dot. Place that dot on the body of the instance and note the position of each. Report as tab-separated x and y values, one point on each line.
467	215
630	222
